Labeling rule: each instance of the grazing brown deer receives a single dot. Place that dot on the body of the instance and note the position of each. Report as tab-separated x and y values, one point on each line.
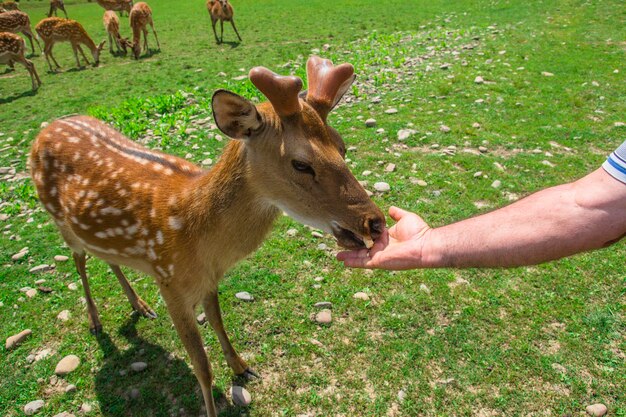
12	50
16	21
55	29
54	5
116	5
141	16
112	25
6	6
221	10
186	227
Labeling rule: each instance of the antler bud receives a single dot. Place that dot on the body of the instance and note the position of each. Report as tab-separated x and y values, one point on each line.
327	83
281	91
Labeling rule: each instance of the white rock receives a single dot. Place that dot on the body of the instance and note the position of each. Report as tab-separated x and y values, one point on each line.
444	129
547	74
496	184
323	304
16	339
548	163
421	183
43	125
401	395
20	254
33	407
391	111
498	166
361	296
390	168
244	296
201	318
479	80
138	366
324	317
70	388
207	161
619	124
64	414
241	396
134	393
596	410
67	365
31	293
292	232
424	288
60	258
85	408
318	279
370	122
483	149
366	173
41	268
476	125
317	234
64	315
404	134
72	286
382	187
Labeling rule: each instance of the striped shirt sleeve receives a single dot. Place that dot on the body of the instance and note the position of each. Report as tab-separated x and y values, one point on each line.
615	164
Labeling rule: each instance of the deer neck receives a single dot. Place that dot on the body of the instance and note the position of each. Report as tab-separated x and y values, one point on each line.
227	212
86	40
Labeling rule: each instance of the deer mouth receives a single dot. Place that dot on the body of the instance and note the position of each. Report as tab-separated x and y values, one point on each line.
349	239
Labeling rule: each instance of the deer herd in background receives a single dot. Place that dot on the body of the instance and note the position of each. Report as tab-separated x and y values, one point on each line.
55	29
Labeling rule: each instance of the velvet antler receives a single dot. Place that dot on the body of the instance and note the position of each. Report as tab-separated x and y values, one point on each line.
327	83
281	91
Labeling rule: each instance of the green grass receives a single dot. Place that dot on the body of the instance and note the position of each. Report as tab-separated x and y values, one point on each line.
545	340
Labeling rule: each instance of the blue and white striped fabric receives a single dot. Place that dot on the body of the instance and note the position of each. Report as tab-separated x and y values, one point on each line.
616	163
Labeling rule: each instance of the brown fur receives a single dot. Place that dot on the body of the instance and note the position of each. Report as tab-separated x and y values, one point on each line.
116	5
140	17
55	29
185	226
112	25
17	21
223	11
12	50
54	5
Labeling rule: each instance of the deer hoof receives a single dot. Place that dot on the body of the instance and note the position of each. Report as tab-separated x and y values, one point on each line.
249	375
96	330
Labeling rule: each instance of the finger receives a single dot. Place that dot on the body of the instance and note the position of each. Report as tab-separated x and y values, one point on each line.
380	244
352	254
356	262
397	213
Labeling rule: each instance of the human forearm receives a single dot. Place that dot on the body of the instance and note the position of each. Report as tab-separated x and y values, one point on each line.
547	225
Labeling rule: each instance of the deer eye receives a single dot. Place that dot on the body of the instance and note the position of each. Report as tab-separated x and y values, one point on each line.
302	167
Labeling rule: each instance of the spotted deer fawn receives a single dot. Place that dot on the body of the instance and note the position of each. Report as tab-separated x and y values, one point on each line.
12	50
185	226
6	6
116	5
16	21
54	5
112	25
141	16
55	29
221	10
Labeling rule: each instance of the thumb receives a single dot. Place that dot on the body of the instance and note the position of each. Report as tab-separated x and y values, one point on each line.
397	213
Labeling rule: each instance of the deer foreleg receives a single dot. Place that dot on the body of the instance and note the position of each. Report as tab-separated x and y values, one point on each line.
52	10
48	53
30	37
83	54
185	323
34	77
214	316
92	312
111	43
136	302
213	21
232	22
63	8
155	36
221	31
145	40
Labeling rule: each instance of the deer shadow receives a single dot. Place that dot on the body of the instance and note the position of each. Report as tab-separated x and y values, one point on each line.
165	387
17	96
150	53
232	44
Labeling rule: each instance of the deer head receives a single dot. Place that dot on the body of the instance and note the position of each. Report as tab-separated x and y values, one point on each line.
96	53
297	157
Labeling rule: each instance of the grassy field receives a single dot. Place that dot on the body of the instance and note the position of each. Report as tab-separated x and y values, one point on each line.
539	341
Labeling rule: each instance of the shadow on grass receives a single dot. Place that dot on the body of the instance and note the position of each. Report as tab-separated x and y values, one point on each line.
11	98
150	53
163	389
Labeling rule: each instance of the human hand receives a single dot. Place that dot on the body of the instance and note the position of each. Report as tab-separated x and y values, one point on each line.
398	248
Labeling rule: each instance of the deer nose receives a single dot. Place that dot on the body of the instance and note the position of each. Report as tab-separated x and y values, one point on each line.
376	225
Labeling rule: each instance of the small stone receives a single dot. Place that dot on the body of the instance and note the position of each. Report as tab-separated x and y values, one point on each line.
370	122
67	365
401	395
322	246
292	232
241	396
64	414
479	80
547	74
43	125
201	319
496	184
72	286
70	388
391	111
134	393
421	183
498	166
380	131
424	288
444	129
33	407
41	268
317	234
244	296
207	161
31	293
619	124
16	339
483	149
323	304
42	354
64	315
382	187
366	173
23	252
476	125
361	296
61	258
85	408
404	134
316	343
318	279
444	66
548	163
324	317
390	168
138	366
596	410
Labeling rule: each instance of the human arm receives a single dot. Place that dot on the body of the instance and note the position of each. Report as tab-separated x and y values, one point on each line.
587	214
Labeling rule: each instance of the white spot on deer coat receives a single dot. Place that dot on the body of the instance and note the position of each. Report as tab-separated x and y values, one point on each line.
159	237
152	254
101	235
175	223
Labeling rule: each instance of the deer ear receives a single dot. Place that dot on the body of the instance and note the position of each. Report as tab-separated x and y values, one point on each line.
234	115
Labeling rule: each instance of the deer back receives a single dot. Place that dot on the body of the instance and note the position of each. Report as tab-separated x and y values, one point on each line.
14	21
